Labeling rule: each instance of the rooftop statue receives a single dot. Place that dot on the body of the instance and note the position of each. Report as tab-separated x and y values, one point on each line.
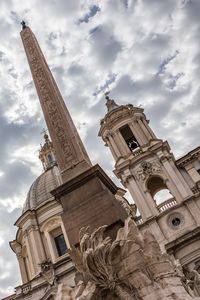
23	23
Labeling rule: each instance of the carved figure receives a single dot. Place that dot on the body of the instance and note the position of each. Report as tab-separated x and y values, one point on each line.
94	261
129	208
194	282
130	267
47	271
146	169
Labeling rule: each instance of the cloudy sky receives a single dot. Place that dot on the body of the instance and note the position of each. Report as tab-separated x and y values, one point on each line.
147	52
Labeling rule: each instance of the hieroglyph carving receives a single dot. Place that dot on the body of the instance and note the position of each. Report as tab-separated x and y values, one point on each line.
146	169
50	100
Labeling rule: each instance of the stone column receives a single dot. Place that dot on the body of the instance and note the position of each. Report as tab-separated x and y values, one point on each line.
194	210
50	245
108	143
175	179
144	129
113	147
157	232
153	136
141	202
121	144
37	247
193	173
182	180
22	267
138	132
30	256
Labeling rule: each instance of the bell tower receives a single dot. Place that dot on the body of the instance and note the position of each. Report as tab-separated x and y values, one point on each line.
147	168
47	153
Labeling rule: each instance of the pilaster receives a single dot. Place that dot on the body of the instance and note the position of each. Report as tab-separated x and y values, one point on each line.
22	267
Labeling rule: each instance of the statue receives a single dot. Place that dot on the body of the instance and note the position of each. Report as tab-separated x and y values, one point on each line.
132	267
194	282
23	23
110	103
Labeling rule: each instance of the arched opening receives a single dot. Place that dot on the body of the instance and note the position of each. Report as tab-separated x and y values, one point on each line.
158	190
162	196
129	138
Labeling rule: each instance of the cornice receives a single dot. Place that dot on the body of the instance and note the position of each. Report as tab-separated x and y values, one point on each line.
75	183
119	113
188	158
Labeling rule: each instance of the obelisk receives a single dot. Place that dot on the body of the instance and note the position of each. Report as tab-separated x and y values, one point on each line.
87	193
71	155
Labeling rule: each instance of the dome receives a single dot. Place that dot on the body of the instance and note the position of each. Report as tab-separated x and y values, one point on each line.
39	192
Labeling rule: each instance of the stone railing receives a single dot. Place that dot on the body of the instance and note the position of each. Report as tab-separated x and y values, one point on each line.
26	288
196	188
137	152
166	205
138	220
12	297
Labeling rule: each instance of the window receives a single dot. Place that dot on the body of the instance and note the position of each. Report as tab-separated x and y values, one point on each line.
129	137
58	241
60	244
50	158
176	222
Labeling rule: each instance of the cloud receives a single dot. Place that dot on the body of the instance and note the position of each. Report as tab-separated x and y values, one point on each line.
145	52
93	10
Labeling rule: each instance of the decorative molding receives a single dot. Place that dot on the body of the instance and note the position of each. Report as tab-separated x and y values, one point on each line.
51	224
48	272
147	169
175	216
120	113
188	158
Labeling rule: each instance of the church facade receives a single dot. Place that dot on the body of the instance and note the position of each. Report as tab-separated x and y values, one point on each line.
149	250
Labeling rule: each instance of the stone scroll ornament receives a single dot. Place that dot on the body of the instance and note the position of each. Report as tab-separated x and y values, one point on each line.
130	267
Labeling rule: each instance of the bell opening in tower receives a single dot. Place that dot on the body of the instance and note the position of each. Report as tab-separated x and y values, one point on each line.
129	138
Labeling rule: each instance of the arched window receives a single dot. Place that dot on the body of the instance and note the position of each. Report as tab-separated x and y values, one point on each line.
129	138
158	190
58	240
162	196
56	237
50	158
